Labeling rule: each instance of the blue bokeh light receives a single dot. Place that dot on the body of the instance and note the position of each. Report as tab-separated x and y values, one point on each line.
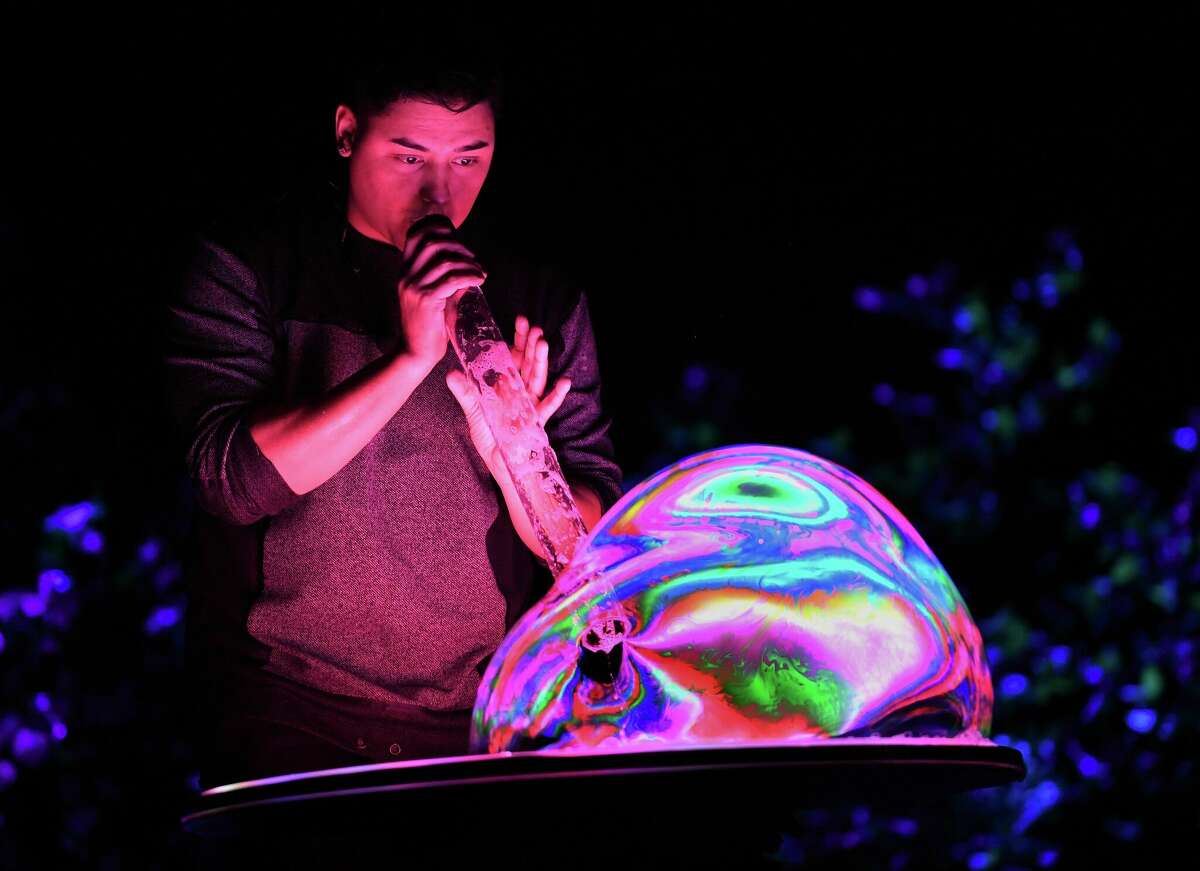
71	518
1141	720
950	358
883	394
1013	684
868	299
150	550
1060	655
161	618
92	542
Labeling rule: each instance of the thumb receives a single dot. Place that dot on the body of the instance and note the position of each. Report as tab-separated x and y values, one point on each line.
457	382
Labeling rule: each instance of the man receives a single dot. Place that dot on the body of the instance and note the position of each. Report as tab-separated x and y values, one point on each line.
360	550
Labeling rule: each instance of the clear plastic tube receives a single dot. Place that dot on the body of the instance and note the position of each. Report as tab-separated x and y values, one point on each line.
512	415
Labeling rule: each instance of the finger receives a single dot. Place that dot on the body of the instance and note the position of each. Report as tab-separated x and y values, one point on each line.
521	333
540	366
425	227
439	264
531	343
454	380
420	241
450	284
551	403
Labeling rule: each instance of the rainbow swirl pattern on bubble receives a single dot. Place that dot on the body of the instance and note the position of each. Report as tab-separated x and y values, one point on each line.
760	594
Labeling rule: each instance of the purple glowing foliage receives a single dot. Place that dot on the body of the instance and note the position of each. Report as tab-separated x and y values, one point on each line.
1089	516
868	299
166	575
41	701
72	519
1046	858
53	580
950	358
883	394
1030	415
1126	830
1141	720
980	860
1130	693
150	551
993	373
1089	766
58	731
161	618
923	404
1185	438
29	746
1037	801
2	642
1021	290
1093	706
964	319
1013	685
92	542
32	605
1047	289
1060	655
904	827
917	286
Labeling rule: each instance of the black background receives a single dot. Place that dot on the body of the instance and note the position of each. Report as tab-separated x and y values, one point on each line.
720	181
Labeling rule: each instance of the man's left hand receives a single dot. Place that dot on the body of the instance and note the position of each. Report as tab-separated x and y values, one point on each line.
530	353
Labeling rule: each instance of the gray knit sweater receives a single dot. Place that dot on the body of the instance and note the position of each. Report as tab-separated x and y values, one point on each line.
392	583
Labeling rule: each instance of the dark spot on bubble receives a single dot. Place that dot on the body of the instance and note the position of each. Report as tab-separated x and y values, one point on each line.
490	377
750	488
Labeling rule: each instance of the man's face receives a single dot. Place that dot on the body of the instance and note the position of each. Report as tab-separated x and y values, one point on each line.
414	159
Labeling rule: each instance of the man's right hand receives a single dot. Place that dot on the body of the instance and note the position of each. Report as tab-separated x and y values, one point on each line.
436	267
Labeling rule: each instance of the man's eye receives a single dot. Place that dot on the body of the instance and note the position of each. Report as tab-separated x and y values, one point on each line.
470	161
405	158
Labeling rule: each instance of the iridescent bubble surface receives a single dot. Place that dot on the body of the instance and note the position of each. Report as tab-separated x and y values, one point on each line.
751	593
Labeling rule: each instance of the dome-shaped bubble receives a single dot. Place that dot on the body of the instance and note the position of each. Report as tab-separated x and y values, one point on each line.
746	594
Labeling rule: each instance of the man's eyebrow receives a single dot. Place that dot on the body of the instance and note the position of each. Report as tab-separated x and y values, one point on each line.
408	143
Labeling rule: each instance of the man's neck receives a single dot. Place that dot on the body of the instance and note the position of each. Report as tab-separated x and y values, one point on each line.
359	223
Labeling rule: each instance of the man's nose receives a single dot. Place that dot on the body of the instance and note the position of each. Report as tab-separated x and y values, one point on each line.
435	188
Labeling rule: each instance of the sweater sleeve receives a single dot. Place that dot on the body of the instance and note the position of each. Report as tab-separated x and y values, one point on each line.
578	430
220	361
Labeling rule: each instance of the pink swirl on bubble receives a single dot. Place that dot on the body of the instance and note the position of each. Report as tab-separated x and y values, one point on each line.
760	594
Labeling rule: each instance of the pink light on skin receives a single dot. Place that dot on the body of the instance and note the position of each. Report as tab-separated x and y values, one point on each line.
414	159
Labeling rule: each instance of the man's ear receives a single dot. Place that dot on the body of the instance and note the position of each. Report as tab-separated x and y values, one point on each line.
345	128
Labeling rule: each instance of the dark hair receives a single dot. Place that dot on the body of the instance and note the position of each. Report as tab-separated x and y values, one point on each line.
379	76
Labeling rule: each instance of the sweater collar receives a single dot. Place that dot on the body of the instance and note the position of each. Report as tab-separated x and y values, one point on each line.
366	255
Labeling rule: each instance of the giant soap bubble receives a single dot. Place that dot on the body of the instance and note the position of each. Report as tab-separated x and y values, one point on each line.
748	594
